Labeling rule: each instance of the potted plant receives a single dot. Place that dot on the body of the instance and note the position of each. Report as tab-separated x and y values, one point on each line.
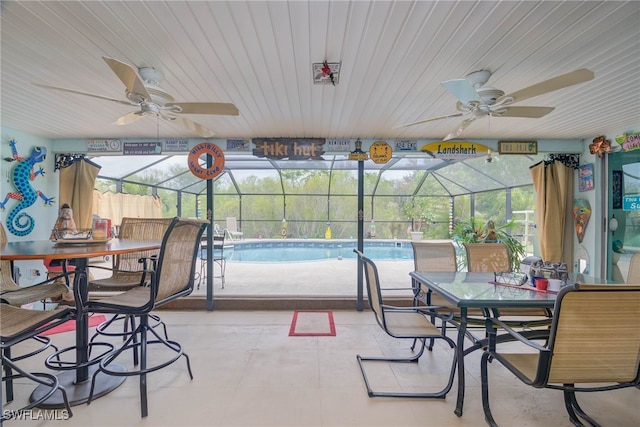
417	210
476	231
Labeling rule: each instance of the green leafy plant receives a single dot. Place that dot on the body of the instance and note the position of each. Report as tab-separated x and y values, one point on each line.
476	231
418	211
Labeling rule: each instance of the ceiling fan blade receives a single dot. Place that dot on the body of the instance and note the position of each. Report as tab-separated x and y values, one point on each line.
219	108
194	127
463	90
428	120
61	89
559	82
458	131
129	77
129	118
529	112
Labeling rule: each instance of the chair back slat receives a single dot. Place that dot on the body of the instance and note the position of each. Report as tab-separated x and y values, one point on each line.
177	260
137	229
374	294
595	335
487	257
434	256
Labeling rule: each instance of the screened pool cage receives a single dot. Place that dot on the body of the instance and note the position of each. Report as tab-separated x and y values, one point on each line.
318	198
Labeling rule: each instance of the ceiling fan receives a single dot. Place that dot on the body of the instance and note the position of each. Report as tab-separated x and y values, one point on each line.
475	100
143	91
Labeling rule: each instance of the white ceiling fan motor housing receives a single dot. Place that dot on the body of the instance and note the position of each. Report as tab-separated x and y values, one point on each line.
489	94
478	78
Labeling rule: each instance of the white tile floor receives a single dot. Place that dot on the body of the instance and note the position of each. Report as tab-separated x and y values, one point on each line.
249	372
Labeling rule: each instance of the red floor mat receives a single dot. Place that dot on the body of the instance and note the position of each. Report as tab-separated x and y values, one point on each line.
71	325
312	324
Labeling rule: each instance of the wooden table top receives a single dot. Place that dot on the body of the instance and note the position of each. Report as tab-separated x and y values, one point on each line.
46	249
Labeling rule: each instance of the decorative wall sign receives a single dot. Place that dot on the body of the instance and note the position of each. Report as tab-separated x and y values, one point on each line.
103	145
141	148
203	172
600	146
338	144
517	147
291	148
455	150
177	145
629	142
238	144
616	189
380	152
581	215
19	222
631	203
358	154
585	177
405	145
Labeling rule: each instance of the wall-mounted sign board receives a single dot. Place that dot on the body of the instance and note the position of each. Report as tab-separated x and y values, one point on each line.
455	150
141	148
631	203
380	152
289	148
103	145
518	147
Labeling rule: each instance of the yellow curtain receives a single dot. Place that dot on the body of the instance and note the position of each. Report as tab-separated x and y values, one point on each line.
76	188
116	206
553	184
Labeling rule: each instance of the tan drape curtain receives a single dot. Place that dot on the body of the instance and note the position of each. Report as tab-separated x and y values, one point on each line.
76	188
553	184
115	206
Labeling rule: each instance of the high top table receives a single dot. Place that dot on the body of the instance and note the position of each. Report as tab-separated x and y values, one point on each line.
477	290
76	382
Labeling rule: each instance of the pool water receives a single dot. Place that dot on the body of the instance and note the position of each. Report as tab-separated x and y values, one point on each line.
309	251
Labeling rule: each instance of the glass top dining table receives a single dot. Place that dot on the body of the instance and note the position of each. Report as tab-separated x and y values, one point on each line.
469	290
76	382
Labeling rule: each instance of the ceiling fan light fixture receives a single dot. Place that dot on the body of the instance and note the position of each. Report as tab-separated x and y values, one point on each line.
150	108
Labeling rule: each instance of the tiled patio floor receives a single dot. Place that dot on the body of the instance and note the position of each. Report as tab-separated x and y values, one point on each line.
249	372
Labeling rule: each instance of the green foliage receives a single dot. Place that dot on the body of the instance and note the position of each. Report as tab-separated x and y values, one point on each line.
419	210
310	198
475	230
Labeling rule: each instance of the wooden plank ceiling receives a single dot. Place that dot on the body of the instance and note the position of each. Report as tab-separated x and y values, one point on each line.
258	55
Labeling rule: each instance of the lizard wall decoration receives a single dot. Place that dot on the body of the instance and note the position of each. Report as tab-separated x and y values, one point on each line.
20	223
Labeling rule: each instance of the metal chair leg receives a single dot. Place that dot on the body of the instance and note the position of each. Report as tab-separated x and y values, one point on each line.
140	344
441	394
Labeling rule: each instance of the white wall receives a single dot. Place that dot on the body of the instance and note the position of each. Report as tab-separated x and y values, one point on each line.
44	216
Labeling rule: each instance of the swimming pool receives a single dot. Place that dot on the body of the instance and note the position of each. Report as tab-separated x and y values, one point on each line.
312	250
